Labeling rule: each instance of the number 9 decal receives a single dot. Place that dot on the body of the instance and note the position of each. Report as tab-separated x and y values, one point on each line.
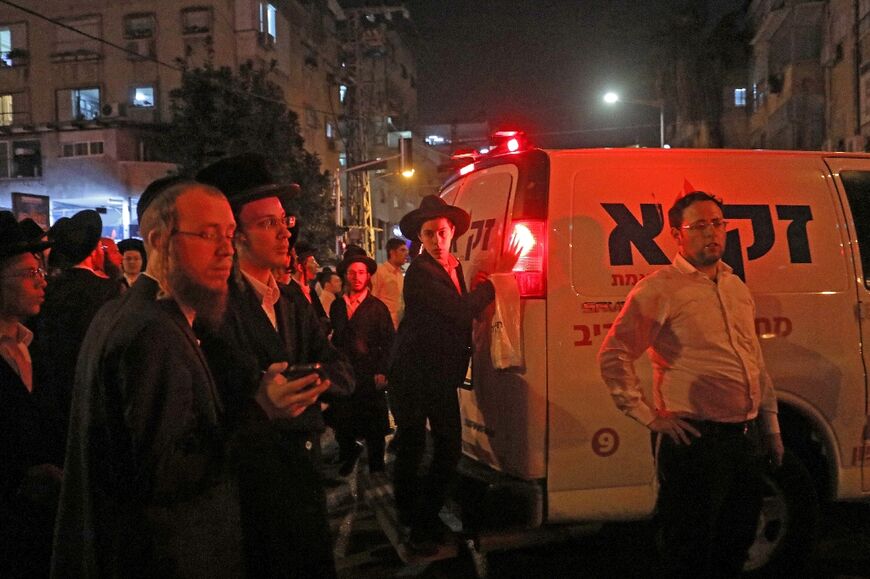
605	442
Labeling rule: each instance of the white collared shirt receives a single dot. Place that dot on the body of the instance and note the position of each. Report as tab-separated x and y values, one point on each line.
354	302
700	337
388	283
269	294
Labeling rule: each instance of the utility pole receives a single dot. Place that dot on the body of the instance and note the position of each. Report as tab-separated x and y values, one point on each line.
365	47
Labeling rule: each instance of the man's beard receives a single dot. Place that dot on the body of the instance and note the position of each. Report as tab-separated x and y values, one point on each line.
209	304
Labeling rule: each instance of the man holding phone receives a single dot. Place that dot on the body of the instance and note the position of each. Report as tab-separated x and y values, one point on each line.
284	514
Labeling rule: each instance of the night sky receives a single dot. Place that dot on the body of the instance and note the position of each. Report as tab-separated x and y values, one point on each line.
542	65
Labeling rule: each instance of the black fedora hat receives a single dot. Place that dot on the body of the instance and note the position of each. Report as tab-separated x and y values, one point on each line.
245	178
356	254
432	207
74	238
132	244
17	238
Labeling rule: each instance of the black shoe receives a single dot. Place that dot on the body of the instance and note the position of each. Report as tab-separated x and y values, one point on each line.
348	464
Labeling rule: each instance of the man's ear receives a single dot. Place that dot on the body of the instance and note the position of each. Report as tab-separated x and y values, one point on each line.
675	233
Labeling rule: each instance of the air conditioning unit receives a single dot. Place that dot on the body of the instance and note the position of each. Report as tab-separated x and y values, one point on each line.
140	49
113	110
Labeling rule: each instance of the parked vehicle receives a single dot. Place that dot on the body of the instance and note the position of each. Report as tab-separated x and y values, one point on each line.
544	444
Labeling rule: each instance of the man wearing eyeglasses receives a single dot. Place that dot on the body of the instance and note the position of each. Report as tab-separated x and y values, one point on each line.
31	443
283	502
714	414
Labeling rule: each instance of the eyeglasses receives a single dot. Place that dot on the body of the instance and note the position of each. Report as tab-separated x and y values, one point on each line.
31	273
210	236
716	224
272	223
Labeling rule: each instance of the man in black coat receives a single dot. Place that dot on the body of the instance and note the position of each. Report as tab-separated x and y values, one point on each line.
72	299
363	330
430	361
31	426
283	502
148	490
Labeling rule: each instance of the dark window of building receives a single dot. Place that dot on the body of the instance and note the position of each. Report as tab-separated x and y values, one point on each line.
20	159
196	20
140	25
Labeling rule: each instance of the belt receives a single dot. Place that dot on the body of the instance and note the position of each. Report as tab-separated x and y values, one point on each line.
712	428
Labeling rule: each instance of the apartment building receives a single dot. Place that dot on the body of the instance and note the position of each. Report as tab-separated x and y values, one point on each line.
83	82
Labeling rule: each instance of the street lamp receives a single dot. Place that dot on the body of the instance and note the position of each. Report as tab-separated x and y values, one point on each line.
613	98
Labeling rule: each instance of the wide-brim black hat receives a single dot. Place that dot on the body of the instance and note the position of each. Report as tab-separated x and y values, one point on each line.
17	238
74	238
245	178
432	207
131	244
356	254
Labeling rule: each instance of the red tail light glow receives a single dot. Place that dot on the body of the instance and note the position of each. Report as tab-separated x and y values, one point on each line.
531	236
513	145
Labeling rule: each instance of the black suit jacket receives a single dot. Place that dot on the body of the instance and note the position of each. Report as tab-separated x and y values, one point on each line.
433	345
146	489
72	299
247	343
31	434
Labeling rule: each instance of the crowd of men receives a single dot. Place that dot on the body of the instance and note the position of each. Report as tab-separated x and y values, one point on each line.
155	420
162	401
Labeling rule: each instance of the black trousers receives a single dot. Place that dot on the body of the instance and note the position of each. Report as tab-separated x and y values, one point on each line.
420	498
709	499
283	508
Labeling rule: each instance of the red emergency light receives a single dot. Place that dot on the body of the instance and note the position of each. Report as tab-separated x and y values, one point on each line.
530	235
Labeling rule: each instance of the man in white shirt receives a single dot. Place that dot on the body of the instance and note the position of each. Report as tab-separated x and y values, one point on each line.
389	281
714	413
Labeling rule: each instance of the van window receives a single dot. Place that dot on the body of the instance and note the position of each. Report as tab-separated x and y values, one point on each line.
485	195
857	185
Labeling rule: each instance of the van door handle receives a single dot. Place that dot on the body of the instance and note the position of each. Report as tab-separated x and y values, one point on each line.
863	310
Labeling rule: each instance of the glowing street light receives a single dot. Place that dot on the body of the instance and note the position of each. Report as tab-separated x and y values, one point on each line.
613	98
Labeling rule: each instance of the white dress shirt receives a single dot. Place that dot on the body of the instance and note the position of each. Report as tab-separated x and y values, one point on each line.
700	337
388	283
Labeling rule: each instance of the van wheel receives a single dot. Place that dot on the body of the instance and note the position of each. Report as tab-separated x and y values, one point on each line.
787	524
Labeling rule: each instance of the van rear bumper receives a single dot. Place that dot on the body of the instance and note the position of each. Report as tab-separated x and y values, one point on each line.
492	500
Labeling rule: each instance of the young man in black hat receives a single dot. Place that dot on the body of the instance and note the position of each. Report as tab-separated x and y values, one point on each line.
133	260
363	330
72	299
304	267
431	358
283	503
31	427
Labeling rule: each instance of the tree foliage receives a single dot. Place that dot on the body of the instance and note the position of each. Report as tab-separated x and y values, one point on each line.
218	112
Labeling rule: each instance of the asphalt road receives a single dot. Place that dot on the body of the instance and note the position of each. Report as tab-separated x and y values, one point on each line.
618	550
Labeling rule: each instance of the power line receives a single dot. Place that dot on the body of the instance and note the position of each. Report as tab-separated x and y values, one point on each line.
154	59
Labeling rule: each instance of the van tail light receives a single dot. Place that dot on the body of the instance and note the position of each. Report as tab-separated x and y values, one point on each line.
531	236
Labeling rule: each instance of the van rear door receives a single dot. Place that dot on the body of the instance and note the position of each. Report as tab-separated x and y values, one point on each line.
852	178
504	411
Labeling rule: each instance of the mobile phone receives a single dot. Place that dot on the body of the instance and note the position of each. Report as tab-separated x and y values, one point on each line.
297	371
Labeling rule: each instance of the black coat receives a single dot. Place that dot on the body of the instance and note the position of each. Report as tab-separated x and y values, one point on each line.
367	340
433	345
247	344
283	506
31	434
146	489
72	299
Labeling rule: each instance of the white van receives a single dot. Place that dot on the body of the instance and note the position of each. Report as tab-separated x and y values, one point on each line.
546	443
